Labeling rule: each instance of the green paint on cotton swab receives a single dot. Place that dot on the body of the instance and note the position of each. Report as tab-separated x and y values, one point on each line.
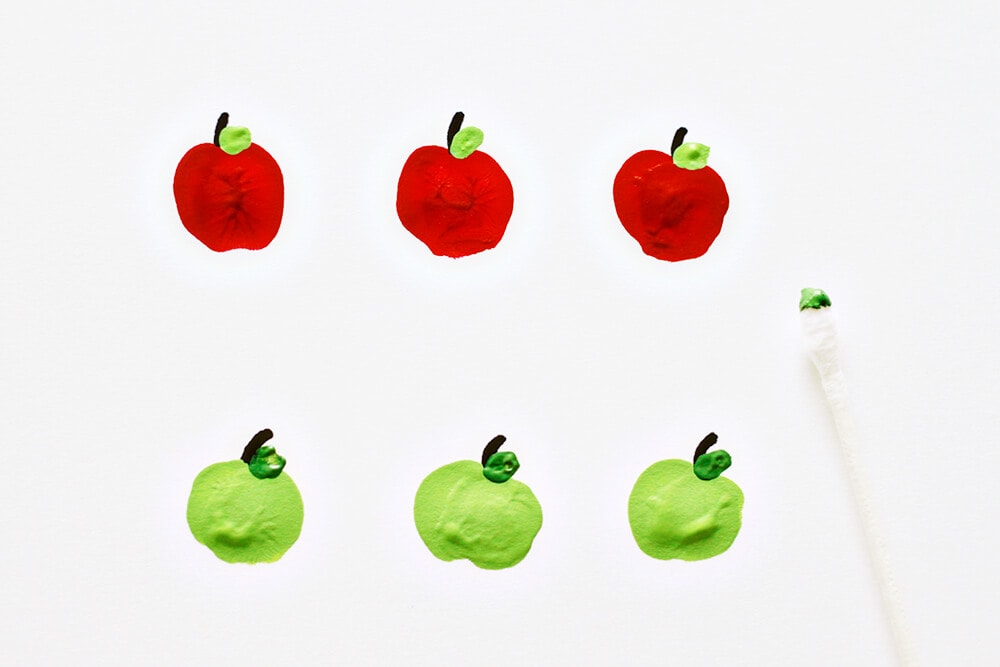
813	298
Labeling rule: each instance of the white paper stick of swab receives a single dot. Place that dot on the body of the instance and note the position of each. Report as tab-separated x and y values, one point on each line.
821	342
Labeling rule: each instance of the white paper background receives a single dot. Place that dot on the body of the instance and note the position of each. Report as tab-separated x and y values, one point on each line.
859	144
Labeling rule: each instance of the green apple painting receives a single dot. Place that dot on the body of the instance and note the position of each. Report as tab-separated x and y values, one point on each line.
688	511
474	510
246	511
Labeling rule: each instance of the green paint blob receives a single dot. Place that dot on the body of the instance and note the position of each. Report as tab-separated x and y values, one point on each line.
711	465
241	518
673	514
813	298
234	140
691	156
466	141
500	467
461	514
266	463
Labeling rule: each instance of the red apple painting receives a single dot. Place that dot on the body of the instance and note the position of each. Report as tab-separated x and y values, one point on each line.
455	199
673	205
230	193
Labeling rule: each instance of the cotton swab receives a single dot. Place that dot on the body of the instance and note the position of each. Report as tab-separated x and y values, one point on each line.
821	343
